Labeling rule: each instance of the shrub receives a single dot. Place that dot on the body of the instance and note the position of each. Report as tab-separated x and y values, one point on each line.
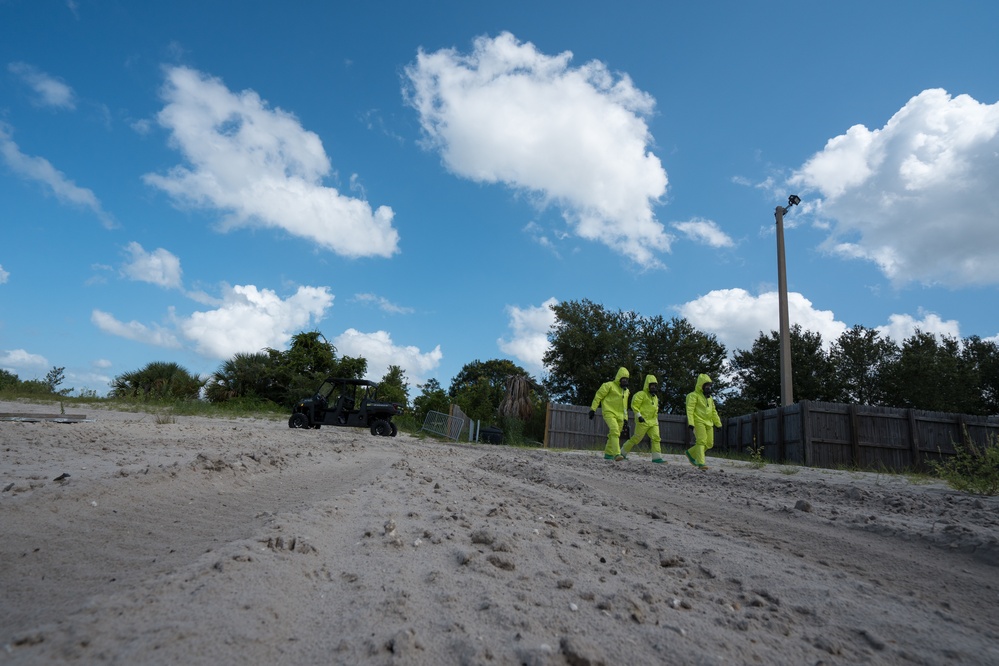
973	469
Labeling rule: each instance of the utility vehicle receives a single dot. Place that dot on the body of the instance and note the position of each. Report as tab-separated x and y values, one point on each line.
352	403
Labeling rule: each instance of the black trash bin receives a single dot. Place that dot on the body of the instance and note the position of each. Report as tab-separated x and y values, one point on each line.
491	435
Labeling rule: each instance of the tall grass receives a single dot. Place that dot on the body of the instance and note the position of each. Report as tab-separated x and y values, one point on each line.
973	468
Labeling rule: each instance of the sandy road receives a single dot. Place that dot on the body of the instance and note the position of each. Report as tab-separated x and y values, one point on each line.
240	541
94	537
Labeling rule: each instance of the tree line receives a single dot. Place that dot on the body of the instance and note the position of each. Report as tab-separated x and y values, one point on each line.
587	344
862	366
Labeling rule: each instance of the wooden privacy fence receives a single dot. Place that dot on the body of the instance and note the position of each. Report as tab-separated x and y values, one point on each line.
815	434
834	435
569	427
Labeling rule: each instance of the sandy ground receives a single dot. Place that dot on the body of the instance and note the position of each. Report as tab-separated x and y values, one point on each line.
212	541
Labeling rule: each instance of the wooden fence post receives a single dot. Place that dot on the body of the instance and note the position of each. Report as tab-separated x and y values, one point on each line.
806	432
854	436
754	431
548	424
917	456
963	435
781	450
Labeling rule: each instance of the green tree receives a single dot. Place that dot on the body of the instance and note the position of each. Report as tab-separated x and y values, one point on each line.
54	378
351	367
243	376
283	377
35	387
432	398
586	346
757	370
298	370
861	359
930	374
479	386
675	353
310	354
981	359
157	380
8	380
393	387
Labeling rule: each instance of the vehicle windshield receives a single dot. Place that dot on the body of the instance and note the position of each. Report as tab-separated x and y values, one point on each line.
326	389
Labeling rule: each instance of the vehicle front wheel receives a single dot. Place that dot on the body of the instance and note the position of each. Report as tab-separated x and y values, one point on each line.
298	420
381	428
395	429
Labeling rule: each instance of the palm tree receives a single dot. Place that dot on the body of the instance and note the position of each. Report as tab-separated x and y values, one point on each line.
157	380
242	376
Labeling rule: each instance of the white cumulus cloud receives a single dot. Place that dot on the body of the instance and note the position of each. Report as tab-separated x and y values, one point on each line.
250	319
260	167
20	359
247	320
530	327
902	326
158	267
919	196
135	331
573	137
737	317
381	352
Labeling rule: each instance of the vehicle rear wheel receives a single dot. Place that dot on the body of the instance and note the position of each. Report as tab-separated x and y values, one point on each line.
298	420
381	428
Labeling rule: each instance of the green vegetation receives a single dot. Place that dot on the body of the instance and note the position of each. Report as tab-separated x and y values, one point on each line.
973	469
157	380
757	461
586	345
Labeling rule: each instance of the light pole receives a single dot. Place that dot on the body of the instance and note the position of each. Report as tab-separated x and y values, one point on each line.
786	392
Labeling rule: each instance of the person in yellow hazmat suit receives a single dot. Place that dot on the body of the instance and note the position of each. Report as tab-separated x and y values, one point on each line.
645	404
702	419
612	397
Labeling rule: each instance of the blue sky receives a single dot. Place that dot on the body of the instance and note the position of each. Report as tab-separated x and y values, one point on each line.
182	181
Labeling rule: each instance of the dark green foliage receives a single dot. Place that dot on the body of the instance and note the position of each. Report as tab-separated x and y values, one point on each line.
479	387
393	386
813	375
309	354
350	367
54	378
862	360
587	344
157	380
432	398
282	377
8	380
675	353
242	376
34	387
981	368
734	404
930	375
973	469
